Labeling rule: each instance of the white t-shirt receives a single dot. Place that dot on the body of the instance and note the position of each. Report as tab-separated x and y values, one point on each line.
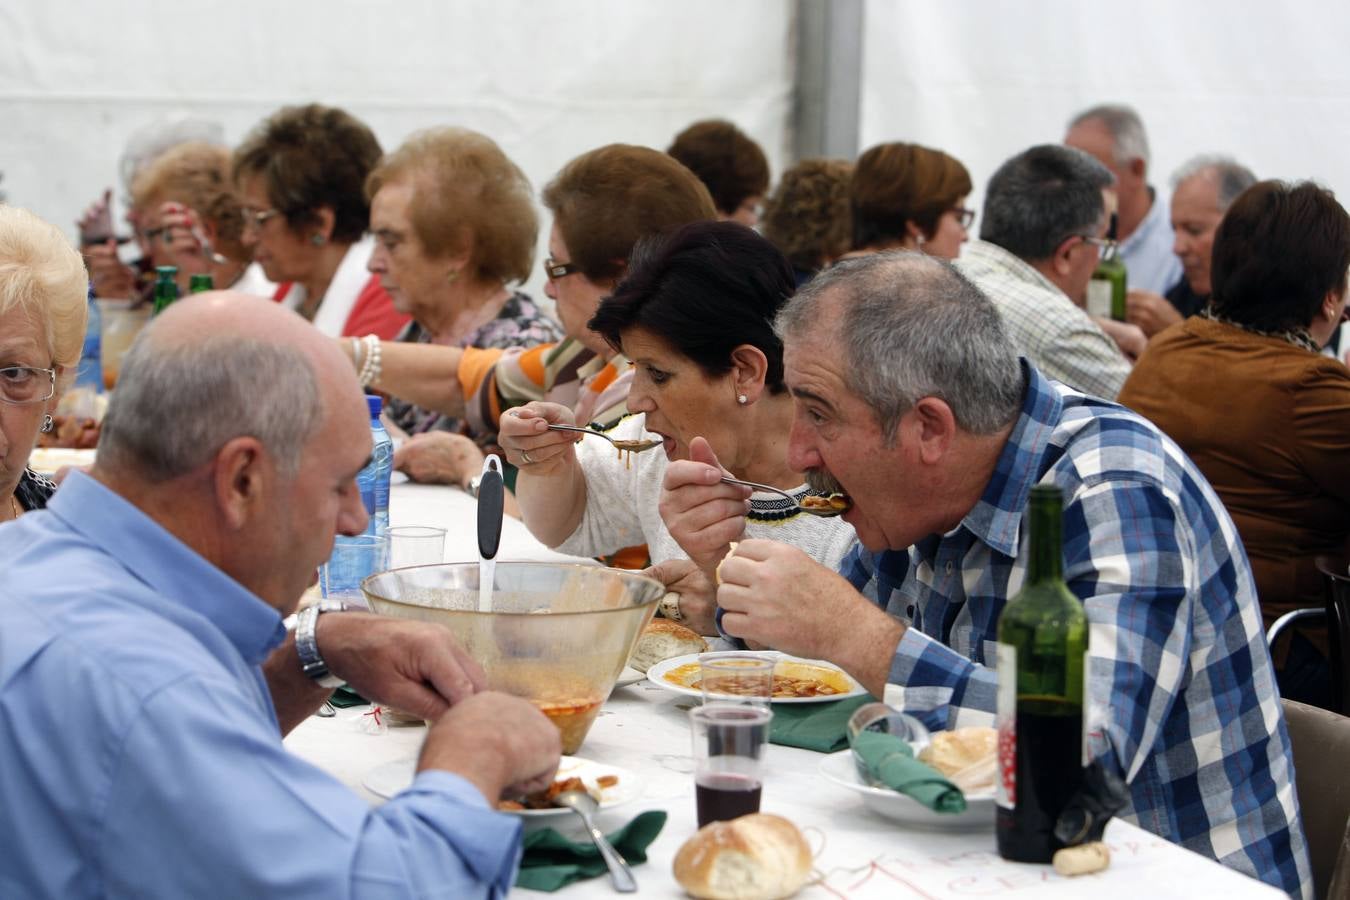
622	497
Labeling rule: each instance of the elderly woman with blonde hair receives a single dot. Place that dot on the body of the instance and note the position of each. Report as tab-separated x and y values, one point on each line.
43	311
455	226
190	218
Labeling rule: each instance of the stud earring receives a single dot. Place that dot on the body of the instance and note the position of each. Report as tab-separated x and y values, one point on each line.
318	240
742	399
452	277
47	424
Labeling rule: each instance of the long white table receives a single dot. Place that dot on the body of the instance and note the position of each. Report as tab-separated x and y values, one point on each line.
858	854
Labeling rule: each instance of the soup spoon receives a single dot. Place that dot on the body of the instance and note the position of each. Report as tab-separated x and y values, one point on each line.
828	507
628	446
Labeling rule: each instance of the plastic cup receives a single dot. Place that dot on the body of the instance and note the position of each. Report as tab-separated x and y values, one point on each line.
353	560
121	322
736	678
415	545
729	741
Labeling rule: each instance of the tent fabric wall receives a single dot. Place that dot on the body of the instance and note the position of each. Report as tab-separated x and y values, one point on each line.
547	81
1264	81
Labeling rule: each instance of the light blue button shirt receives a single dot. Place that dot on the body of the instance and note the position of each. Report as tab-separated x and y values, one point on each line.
139	748
1147	253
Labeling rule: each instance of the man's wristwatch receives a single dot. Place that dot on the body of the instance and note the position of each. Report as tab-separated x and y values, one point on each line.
311	663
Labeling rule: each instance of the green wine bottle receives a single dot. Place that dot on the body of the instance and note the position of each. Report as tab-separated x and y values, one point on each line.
166	288
1042	654
202	281
1106	290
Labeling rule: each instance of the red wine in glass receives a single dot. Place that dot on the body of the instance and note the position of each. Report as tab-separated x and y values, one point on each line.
721	796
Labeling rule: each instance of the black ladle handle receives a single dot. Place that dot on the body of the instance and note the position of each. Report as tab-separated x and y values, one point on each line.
491	507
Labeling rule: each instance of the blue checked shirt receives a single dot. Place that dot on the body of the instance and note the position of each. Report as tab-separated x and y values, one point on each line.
1182	697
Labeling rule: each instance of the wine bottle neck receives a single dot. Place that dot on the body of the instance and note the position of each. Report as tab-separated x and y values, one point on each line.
1046	558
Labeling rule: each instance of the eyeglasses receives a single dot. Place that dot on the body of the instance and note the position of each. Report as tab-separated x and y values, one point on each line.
1104	246
965	216
256	218
26	384
554	269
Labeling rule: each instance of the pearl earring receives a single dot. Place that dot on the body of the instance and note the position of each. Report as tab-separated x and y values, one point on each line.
742	399
452	276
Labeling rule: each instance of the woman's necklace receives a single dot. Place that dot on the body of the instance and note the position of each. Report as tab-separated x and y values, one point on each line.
15	509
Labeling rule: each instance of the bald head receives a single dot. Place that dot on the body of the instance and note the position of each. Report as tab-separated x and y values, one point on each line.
214	367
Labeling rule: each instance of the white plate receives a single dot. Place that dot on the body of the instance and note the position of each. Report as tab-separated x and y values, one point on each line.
628	676
388	779
397	477
656	675
47	460
979	814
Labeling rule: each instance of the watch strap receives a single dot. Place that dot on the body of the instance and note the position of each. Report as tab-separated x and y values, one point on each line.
307	646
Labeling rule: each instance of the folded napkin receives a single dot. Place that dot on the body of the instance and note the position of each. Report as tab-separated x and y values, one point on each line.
552	861
892	762
822	727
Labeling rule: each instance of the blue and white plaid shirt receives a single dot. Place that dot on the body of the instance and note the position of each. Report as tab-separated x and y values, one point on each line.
1182	696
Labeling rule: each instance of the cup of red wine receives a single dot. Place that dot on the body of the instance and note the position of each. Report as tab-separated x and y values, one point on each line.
729	742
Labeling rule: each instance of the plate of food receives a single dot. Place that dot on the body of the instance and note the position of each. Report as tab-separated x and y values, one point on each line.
610	785
795	680
965	756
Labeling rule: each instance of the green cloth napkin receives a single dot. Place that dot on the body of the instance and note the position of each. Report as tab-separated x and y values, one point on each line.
892	762
551	861
344	697
822	727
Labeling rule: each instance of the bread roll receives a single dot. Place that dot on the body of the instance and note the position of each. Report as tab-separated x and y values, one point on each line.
953	751
663	639
755	857
731	551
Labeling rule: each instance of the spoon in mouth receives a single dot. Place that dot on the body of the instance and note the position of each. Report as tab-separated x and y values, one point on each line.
811	504
628	446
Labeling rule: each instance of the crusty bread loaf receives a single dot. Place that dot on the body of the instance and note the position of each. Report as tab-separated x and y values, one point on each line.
663	639
731	551
755	857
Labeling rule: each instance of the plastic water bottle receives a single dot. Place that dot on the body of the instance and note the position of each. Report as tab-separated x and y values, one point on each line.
90	374
374	478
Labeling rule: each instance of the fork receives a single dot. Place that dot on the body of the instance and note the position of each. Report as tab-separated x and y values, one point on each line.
629	446
823	512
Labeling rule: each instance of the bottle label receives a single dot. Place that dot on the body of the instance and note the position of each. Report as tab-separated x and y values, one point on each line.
1099	298
1005	794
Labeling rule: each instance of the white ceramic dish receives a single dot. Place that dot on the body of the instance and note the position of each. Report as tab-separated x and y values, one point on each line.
388	779
628	676
656	675
979	814
46	460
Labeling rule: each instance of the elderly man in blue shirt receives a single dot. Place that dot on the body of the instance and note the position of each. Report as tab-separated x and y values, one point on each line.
146	679
911	398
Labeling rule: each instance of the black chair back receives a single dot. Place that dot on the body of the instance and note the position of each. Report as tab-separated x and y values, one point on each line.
1336	574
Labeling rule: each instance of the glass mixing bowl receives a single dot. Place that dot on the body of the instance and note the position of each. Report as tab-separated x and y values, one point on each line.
555	634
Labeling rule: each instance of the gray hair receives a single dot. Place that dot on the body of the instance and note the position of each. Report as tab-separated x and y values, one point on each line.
152	141
176	405
1126	128
913	327
1231	176
1042	196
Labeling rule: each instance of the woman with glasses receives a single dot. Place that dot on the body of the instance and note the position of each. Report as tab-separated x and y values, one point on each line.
190	218
301	178
602	203
43	309
454	225
907	197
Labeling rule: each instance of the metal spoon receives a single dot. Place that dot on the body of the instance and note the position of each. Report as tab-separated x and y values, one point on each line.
583	804
822	511
629	446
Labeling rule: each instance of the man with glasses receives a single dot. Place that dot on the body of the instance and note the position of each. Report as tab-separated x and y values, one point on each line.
1041	236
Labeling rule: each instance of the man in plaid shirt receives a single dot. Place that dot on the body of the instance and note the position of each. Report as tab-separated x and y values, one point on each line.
911	398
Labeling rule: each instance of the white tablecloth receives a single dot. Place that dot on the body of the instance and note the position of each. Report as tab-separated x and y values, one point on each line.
858	854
